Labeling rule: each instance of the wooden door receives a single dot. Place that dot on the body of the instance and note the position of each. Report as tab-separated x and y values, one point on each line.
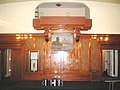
16	64
62	61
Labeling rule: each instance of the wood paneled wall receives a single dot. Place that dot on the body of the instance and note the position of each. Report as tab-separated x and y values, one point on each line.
86	53
16	64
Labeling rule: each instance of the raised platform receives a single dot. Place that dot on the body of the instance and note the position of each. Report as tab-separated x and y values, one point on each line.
68	85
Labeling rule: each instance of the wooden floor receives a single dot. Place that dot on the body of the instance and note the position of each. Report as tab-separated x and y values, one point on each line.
68	85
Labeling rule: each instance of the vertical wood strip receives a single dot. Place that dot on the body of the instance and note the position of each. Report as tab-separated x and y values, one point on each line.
85	54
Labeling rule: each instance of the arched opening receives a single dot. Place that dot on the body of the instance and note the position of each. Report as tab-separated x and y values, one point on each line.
62	14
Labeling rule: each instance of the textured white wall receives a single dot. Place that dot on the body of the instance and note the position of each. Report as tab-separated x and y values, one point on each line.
17	17
62	12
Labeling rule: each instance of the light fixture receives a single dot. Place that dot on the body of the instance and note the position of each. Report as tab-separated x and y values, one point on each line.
100	38
106	39
46	39
77	36
58	4
23	36
77	39
46	33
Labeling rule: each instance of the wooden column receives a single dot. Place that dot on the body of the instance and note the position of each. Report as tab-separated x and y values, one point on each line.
85	56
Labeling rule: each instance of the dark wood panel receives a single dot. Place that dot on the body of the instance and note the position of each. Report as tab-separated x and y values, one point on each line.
86	52
3	63
65	76
16	64
10	46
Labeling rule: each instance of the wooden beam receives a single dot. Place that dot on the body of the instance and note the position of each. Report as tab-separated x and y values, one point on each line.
62	22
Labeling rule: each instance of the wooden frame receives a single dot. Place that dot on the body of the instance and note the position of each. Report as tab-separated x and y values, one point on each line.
66	40
34	57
